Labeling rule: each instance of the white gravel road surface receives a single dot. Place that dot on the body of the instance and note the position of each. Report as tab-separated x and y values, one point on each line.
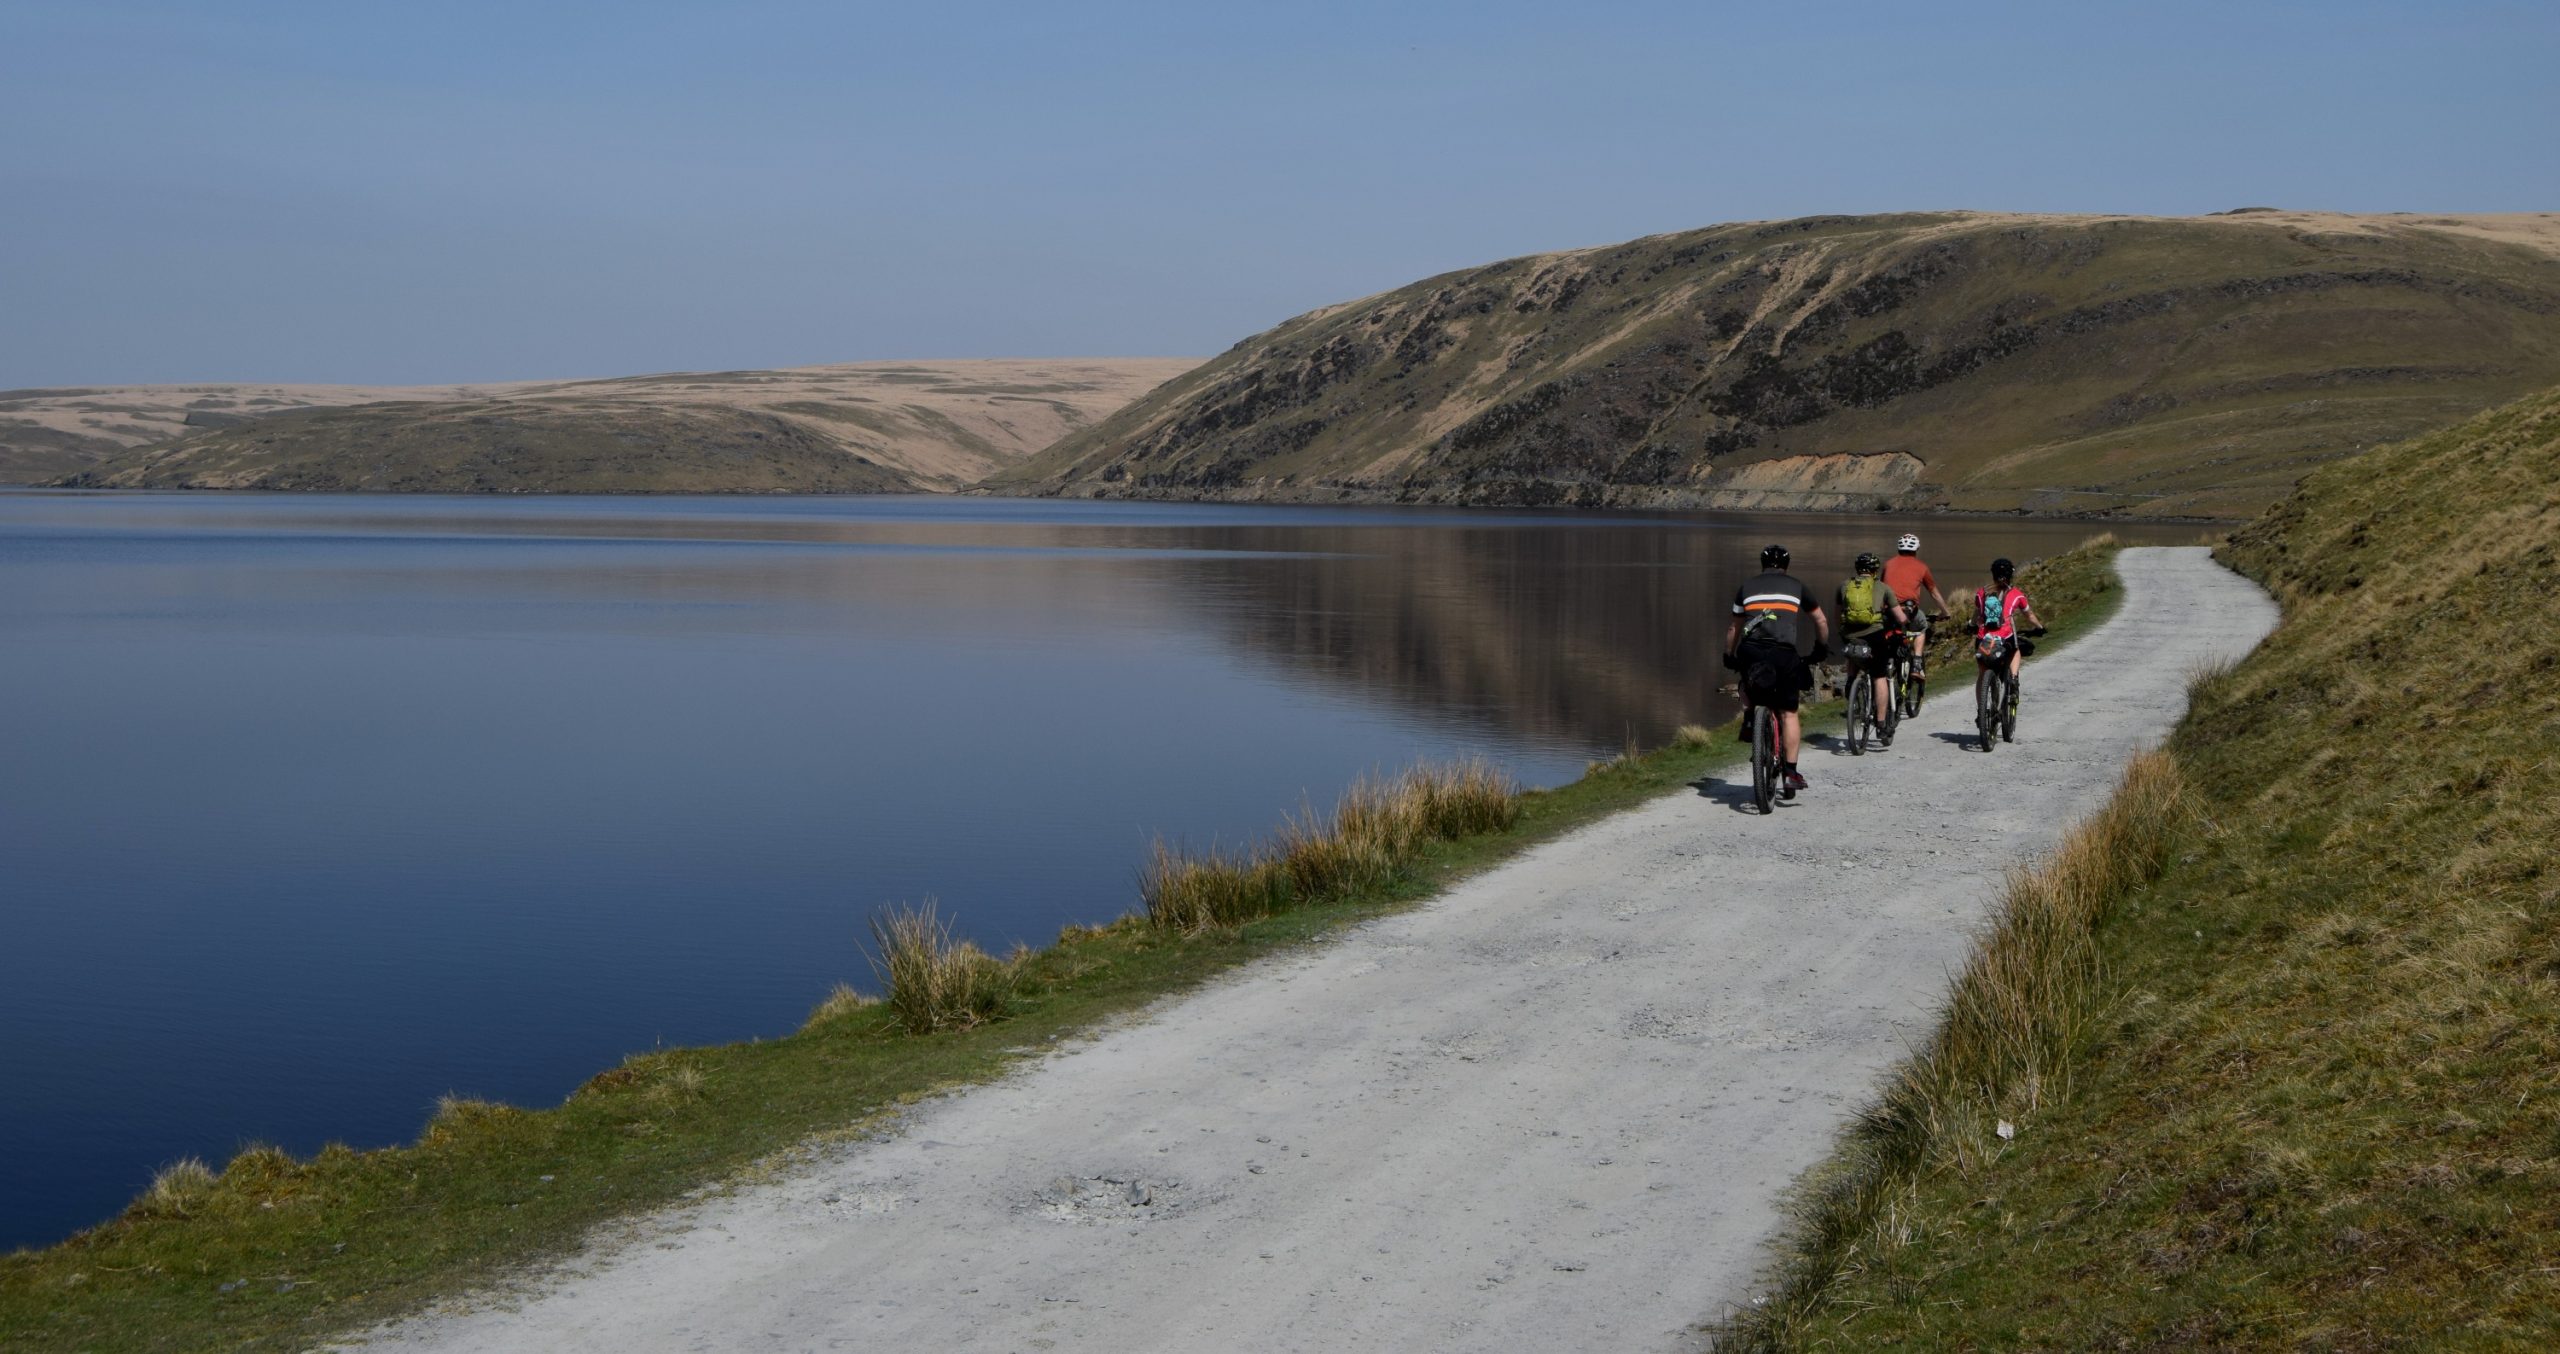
1554	1110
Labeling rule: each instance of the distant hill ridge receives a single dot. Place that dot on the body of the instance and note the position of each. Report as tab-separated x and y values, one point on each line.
852	427
2102	365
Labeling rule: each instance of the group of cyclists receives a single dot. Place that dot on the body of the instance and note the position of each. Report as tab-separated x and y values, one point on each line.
1768	644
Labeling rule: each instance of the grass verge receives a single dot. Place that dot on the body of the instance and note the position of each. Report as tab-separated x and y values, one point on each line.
2305	1093
272	1252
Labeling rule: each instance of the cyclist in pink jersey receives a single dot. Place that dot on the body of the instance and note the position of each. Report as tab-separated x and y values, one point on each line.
1995	618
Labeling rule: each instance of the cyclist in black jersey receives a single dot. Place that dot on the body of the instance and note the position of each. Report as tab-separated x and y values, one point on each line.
1767	642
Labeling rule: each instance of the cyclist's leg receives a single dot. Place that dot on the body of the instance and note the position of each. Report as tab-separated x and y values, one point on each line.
1791	726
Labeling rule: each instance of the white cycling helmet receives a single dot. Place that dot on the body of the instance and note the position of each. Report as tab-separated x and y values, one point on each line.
1909	544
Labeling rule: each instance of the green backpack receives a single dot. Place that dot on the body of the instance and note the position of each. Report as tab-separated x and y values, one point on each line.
1859	607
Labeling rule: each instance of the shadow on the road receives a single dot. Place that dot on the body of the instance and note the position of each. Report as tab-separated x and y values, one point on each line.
1734	795
1965	740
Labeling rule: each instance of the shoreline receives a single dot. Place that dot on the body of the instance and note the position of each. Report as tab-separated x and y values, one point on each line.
2092	519
474	1152
1447	1086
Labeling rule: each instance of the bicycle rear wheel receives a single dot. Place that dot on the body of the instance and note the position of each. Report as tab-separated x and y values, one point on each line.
1986	710
1862	715
1764	759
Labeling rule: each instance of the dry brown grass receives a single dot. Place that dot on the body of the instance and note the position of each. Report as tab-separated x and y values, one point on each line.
2014	1018
1373	833
845	1000
459	1116
2022	1002
679	1082
936	982
181	1187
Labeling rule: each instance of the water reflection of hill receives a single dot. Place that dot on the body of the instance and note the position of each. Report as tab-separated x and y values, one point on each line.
1587	634
1581	630
1583	636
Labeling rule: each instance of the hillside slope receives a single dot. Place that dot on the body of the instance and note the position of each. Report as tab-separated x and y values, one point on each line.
892	425
2316	1103
2146	366
481	446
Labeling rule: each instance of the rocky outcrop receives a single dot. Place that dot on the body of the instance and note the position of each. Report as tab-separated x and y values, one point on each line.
1842	482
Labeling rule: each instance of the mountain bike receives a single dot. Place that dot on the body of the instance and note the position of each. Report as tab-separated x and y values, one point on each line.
1862	698
1908	686
1995	698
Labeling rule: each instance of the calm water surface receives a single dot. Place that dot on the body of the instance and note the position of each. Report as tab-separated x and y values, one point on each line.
317	807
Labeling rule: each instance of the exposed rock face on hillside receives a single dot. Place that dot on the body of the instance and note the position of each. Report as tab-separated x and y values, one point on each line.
2072	364
889	426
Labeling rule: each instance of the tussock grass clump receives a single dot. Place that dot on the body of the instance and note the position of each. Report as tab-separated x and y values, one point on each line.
1190	892
681	1082
179	1189
460	1116
1372	836
844	1000
934	981
261	1170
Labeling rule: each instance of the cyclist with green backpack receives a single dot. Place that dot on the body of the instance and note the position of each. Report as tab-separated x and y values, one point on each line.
1872	619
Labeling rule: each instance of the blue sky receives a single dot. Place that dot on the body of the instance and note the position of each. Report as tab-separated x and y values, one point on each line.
468	191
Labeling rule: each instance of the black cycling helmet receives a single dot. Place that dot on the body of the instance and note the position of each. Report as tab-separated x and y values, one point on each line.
1869	562
1774	557
2002	570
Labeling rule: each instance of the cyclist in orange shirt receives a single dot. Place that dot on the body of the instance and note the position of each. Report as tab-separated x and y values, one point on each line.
1908	575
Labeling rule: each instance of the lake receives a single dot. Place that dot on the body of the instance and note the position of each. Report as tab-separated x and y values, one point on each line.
318	807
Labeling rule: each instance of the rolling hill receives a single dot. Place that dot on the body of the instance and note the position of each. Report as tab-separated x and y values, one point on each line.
2103	365
855	427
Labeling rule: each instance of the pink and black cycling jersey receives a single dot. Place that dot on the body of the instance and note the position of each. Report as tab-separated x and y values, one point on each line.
1998	612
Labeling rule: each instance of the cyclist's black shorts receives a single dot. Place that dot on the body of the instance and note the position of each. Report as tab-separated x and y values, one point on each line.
1773	675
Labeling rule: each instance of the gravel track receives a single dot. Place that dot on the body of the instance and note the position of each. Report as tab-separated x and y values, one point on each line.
1555	1109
